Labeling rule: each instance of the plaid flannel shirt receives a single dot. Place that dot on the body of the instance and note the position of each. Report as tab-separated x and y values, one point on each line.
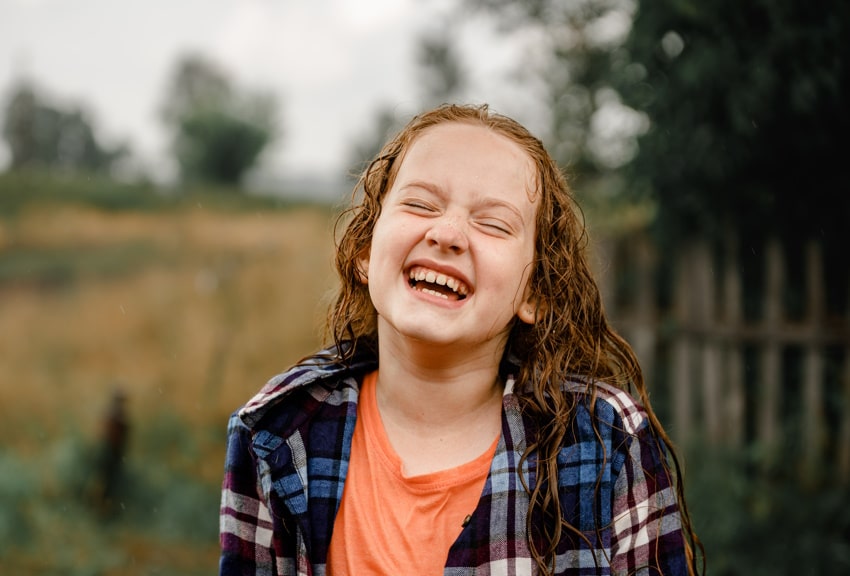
287	457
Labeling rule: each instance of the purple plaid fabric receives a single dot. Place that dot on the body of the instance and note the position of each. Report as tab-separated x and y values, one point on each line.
287	458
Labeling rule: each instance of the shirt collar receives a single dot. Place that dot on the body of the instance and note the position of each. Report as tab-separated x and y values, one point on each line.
324	367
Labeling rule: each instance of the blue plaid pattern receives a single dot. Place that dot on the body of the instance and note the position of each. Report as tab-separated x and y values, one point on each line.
287	458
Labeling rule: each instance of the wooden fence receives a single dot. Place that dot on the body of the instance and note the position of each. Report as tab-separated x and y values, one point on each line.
778	382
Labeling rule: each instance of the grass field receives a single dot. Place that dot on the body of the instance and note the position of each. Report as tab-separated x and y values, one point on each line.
187	311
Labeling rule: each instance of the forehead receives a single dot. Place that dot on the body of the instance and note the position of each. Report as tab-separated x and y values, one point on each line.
472	155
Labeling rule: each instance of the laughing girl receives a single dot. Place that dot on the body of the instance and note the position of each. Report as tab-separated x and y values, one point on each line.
474	413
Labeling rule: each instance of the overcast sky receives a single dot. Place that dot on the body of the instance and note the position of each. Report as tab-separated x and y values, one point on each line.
331	63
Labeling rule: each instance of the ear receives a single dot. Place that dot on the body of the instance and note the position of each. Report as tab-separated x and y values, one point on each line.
530	310
362	267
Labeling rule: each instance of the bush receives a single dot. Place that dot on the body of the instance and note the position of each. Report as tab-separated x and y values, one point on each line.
754	520
163	519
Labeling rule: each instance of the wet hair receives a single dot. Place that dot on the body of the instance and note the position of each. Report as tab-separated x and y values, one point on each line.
571	335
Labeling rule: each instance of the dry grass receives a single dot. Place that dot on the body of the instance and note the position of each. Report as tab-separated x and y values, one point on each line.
217	303
232	300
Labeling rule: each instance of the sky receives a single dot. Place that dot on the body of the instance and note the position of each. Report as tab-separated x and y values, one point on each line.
329	63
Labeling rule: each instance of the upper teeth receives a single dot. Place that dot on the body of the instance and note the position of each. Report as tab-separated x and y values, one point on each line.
432	277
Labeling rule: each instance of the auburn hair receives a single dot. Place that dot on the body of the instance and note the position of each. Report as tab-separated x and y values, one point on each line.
571	336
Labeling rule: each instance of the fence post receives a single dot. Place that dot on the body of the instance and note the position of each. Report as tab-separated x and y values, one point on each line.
844	430
680	382
605	269
770	360
732	316
643	333
704	313
813	362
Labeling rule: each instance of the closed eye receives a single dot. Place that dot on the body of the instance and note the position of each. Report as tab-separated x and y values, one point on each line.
496	226
415	205
418	206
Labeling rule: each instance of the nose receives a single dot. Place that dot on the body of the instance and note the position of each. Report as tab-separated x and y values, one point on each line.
448	234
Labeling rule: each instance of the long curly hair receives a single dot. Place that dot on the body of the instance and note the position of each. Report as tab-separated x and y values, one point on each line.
571	334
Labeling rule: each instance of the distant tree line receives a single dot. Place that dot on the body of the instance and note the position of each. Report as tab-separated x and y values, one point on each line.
41	135
217	130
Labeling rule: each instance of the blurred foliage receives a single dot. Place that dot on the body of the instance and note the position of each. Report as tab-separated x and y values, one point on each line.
60	266
366	147
24	189
728	116
218	146
749	109
218	131
442	77
441	71
756	520
590	131
165	518
40	135
16	483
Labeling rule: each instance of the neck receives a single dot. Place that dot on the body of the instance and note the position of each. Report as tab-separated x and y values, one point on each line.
437	386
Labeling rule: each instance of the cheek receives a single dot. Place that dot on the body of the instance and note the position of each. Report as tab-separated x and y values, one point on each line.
381	233
383	253
391	239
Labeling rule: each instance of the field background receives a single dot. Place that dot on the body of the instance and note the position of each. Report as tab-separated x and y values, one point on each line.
187	307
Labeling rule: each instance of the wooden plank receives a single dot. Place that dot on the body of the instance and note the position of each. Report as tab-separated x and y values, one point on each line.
644	334
605	268
681	350
813	364
843	443
732	316
709	353
769	356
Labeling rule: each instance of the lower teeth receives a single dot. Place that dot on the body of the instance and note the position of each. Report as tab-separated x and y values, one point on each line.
435	293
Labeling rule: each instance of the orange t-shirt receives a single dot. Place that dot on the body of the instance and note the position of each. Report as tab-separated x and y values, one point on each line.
391	524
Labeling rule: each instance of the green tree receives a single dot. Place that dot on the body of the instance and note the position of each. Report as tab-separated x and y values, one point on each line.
735	114
218	131
748	103
43	136
590	130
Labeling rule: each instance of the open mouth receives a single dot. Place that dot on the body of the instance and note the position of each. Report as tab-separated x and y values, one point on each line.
437	284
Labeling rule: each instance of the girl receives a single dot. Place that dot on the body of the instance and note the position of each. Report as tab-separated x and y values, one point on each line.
473	415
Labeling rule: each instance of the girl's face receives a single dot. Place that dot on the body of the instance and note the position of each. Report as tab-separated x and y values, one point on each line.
452	250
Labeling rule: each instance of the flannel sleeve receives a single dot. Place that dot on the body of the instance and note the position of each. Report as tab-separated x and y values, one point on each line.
245	527
647	534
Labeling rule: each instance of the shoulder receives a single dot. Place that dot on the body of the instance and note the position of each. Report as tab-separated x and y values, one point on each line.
314	380
609	405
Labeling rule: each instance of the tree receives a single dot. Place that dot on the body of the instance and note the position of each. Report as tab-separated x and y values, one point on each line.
440	69
590	130
748	103
218	131
41	135
365	148
442	78
733	112
20	127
